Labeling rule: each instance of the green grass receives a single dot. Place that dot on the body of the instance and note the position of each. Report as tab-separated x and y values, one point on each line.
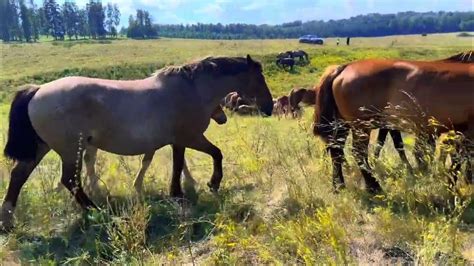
276	205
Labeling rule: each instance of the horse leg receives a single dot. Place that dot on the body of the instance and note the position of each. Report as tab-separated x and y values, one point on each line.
178	162
19	174
138	182
360	139
203	145
380	141
90	156
335	148
188	179
71	179
398	143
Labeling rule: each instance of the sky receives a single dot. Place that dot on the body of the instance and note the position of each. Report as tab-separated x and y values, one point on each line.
272	11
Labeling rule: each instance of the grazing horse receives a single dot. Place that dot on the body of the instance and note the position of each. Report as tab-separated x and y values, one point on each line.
287	54
286	62
282	106
356	95
233	100
128	117
302	55
300	95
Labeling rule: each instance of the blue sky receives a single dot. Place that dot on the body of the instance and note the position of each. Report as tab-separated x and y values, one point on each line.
273	11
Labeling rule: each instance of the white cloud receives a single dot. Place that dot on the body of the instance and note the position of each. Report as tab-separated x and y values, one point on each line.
255	5
163	4
213	9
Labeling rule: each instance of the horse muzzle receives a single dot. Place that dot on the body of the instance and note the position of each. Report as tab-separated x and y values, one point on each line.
267	109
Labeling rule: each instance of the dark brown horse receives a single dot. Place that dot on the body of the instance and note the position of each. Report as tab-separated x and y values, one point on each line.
355	96
286	62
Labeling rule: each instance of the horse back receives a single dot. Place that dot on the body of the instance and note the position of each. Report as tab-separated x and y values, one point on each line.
430	89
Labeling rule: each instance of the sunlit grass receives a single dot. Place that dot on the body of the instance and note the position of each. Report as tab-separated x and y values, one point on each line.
276	204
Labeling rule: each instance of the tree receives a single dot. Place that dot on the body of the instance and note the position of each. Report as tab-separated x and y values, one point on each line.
35	21
109	21
149	30
96	17
116	17
25	20
10	18
5	20
467	25
82	23
141	27
54	19
71	20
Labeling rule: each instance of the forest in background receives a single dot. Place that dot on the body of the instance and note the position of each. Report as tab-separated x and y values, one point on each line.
371	25
22	20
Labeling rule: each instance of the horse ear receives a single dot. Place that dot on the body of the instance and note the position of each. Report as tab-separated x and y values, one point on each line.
249	59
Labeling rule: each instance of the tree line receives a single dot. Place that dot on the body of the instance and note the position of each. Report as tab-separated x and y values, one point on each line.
370	25
25	21
141	26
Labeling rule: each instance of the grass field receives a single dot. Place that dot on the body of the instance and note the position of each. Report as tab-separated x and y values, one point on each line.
275	206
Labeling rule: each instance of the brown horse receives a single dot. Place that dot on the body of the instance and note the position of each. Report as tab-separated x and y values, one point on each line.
233	100
355	96
282	106
420	153
308	97
130	117
301	95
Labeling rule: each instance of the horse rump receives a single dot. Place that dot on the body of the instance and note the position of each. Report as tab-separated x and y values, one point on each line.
22	143
326	108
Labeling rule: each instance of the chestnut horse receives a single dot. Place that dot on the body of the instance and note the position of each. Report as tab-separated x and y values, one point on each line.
127	117
301	95
355	96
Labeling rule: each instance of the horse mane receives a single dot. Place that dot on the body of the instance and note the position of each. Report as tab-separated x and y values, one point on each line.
466	57
216	66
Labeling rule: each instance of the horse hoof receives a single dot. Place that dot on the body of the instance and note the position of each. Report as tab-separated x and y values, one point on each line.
338	188
375	189
177	195
6	225
212	187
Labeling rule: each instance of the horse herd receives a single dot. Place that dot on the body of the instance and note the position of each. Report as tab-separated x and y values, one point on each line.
282	106
287	59
76	116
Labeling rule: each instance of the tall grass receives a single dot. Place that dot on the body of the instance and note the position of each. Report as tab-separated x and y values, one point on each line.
276	204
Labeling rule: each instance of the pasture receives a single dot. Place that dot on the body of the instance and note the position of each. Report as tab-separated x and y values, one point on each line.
276	203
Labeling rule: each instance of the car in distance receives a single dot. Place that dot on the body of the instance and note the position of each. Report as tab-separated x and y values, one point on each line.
311	39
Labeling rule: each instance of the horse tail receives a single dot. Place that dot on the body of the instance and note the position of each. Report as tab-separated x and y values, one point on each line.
326	108
22	143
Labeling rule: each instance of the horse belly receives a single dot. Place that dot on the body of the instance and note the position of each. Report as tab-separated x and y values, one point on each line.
449	106
119	129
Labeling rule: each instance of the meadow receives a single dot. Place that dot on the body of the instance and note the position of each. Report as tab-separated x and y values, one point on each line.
276	204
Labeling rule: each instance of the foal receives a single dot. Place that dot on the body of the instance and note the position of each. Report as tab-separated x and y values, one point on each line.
90	156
